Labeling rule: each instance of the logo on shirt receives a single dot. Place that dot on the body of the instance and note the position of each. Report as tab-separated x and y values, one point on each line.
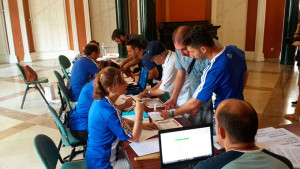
229	55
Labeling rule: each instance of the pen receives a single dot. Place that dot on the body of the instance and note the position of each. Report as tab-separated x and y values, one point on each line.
148	157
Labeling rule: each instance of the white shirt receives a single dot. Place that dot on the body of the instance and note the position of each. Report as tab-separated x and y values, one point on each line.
168	79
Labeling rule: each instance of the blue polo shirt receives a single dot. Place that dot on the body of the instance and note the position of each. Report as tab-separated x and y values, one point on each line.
106	127
79	115
82	70
224	76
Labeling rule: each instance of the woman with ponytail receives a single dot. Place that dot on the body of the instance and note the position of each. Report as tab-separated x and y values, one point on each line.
79	115
106	125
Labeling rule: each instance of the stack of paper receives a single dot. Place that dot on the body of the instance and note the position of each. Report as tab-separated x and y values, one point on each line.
146	147
280	141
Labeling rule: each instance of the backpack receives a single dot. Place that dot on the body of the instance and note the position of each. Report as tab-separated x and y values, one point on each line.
29	73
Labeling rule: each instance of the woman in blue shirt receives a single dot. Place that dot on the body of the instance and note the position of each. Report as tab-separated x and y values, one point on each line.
79	115
105	123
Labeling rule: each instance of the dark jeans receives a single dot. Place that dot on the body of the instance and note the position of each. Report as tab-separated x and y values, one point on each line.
80	134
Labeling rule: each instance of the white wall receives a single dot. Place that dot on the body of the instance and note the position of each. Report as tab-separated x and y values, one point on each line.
4	51
231	15
103	22
49	28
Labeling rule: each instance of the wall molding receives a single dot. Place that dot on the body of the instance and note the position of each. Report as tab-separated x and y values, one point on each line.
74	28
254	56
12	56
4	58
27	57
87	20
260	29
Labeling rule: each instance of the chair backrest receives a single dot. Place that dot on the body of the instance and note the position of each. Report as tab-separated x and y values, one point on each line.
59	77
21	71
64	63
66	94
60	126
47	151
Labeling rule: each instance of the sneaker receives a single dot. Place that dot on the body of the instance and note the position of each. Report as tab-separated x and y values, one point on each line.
294	103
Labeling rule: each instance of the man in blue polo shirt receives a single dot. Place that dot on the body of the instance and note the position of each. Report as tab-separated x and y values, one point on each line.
225	76
83	69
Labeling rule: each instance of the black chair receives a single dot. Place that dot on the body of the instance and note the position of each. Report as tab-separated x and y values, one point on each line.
36	85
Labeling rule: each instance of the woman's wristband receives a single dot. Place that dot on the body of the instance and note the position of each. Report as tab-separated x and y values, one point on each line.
140	121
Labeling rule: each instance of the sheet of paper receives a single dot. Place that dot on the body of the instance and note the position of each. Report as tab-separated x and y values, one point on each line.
216	144
278	136
132	117
123	98
146	147
167	124
151	102
290	152
155	116
146	134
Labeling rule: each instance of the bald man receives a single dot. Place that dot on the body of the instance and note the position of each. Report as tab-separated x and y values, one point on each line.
236	127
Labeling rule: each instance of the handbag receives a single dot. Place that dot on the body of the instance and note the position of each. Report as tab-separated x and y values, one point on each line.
29	73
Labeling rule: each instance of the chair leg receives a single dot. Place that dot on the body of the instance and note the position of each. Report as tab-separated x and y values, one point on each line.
42	88
41	94
84	150
27	88
59	145
72	155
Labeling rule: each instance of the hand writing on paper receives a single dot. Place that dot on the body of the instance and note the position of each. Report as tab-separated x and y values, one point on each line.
170	104
165	114
149	126
144	94
128	102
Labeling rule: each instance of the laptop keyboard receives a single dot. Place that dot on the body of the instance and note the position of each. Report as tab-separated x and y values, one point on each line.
183	166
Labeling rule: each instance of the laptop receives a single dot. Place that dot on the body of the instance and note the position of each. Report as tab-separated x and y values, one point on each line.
141	86
184	147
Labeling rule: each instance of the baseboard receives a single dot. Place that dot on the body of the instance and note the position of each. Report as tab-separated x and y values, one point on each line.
253	56
52	55
4	58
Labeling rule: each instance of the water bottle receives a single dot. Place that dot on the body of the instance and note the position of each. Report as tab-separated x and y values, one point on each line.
103	50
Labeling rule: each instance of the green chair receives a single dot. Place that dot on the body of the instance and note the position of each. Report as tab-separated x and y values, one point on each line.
66	137
65	63
66	94
36	84
49	154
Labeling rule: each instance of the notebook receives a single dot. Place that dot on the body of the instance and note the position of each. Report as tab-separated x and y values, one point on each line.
136	89
184	147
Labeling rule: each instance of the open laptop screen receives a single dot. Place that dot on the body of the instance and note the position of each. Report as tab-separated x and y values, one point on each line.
143	78
185	144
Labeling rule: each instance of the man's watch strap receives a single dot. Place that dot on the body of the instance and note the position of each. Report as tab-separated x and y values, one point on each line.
171	113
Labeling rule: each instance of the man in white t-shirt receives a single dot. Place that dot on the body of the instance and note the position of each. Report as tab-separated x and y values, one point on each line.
156	52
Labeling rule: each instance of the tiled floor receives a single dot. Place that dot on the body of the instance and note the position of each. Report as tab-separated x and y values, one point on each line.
270	89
